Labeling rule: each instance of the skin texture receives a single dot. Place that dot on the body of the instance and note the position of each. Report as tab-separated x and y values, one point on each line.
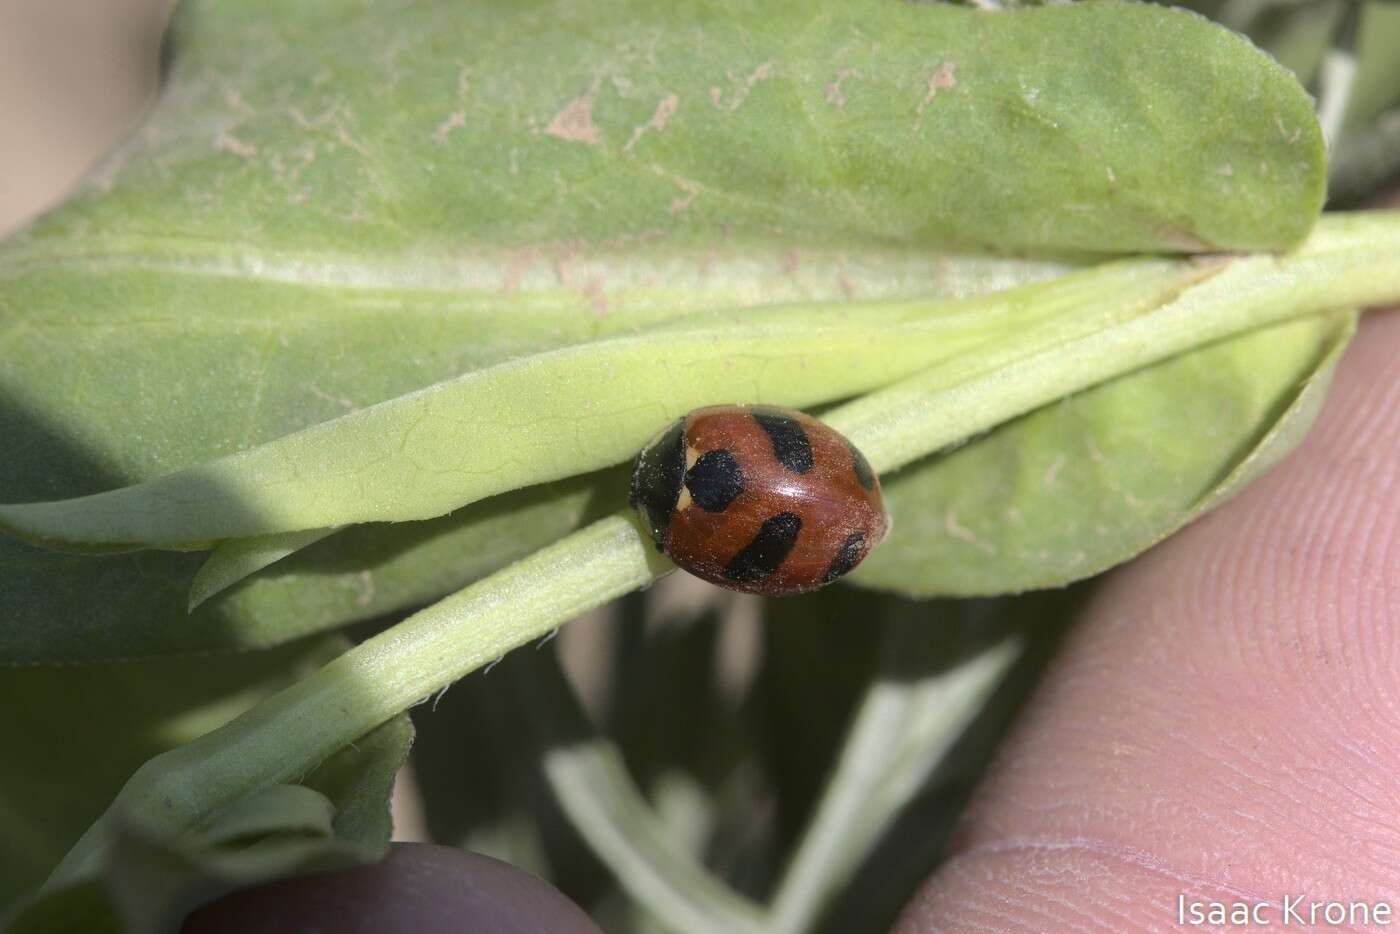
1225	722
773	501
417	889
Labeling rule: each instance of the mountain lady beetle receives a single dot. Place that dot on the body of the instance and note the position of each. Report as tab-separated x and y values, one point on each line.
758	498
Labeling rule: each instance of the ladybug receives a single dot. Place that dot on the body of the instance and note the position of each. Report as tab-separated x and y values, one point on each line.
758	498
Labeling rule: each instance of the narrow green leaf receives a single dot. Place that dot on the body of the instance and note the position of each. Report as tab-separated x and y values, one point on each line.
590	779
904	726
278	809
1376	88
359	780
531	420
66	608
239	558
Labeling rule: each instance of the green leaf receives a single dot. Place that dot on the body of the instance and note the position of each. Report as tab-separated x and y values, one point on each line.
531	420
922	701
67	608
1088	482
590	779
135	243
114	717
95	724
240	558
287	134
152	877
359	780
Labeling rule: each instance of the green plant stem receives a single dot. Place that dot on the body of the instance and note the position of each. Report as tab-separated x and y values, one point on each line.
290	733
1350	261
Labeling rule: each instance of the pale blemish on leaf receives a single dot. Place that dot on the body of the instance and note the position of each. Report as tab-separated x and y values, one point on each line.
691	191
1289	136
665	109
348	404
330	119
225	141
574	124
1052	472
235	100
348	141
943	78
834	94
458	117
304	122
455	120
954	530
741	88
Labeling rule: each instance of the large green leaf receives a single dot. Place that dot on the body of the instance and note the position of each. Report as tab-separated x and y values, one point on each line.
433	127
92	726
244	112
1087	482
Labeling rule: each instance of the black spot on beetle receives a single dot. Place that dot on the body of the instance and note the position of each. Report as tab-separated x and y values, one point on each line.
790	443
714	480
864	474
847	556
656	482
769	548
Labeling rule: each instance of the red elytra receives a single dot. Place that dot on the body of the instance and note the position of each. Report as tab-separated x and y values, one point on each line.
759	499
